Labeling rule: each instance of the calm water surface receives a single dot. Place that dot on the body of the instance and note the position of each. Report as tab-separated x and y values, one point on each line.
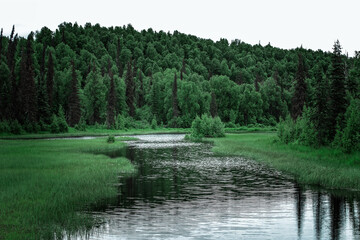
183	191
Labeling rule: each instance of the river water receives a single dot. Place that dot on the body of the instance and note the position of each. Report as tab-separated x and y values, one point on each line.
183	191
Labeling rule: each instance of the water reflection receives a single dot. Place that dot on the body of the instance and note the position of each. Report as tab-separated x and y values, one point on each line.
183	191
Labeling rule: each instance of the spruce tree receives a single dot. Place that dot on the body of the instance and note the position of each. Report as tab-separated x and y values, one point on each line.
27	84
337	90
182	69
50	80
111	103
257	81
141	98
213	105
1	37
175	98
321	106
298	100
74	101
130	90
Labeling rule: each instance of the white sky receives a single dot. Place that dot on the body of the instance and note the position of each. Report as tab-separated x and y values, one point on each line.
315	24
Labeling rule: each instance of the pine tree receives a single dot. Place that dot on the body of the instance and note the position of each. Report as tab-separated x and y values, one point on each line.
182	69
141	98
1	37
337	90
27	84
298	100
213	105
175	98
321	107
257	81
111	102
50	80
130	90
10	56
74	101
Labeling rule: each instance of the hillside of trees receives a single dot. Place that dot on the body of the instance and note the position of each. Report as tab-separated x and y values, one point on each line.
119	77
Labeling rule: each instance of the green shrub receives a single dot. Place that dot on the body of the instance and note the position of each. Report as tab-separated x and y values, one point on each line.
15	127
81	126
153	123
120	122
110	139
54	126
5	127
207	127
63	126
350	137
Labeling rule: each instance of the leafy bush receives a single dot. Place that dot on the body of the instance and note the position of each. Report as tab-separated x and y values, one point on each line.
54	126
153	123
207	127
301	131
110	139
81	126
63	126
5	127
119	122
15	127
350	137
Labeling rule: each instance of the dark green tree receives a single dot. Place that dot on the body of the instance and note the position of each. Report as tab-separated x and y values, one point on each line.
141	98
321	106
213	105
50	80
111	104
27	84
337	90
298	100
74	101
130	90
175	103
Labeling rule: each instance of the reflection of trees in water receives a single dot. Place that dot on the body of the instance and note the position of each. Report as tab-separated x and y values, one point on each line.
319	213
300	200
337	216
354	212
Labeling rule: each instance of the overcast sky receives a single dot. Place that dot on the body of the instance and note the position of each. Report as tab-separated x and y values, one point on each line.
314	24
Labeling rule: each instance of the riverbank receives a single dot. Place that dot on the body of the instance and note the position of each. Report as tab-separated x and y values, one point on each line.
325	167
45	185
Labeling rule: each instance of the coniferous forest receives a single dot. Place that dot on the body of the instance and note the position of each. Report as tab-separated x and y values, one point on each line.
120	78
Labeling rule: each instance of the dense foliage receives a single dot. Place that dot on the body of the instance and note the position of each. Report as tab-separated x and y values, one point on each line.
119	77
206	127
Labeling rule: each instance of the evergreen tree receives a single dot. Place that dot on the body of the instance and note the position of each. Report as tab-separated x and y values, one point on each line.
213	105
130	90
257	81
27	84
50	80
10	56
1	38
141	99
74	101
337	90
175	98
321	107
298	100
111	105
182	69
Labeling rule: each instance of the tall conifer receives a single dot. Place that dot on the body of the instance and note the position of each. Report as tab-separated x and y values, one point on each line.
74	101
298	100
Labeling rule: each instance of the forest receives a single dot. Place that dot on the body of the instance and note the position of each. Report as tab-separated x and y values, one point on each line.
119	78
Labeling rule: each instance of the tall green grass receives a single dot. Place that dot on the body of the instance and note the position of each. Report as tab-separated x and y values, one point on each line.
46	185
326	167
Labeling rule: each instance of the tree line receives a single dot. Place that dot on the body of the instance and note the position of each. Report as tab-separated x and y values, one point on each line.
119	77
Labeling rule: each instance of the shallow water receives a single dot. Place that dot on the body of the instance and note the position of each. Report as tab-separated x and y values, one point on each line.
183	191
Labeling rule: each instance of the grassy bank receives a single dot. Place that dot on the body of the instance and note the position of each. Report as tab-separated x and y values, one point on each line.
92	131
46	183
325	167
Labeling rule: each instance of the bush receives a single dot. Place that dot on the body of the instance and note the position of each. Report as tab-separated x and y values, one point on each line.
120	122
110	139
5	127
81	126
350	137
207	127
153	123
31	127
15	127
302	131
54	126
63	126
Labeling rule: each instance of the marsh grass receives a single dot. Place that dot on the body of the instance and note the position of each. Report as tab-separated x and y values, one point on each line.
46	185
92	131
326	167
